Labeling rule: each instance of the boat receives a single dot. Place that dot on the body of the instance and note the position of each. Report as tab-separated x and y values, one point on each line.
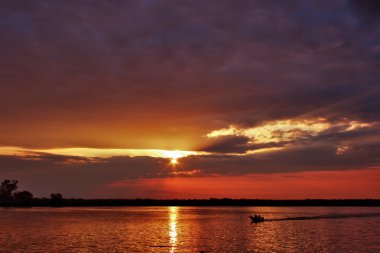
256	218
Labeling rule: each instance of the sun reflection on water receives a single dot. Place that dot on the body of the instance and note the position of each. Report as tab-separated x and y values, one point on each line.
173	216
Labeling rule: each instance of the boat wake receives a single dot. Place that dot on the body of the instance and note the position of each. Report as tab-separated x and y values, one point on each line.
329	216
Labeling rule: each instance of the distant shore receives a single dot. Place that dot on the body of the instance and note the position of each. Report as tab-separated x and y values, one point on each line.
45	202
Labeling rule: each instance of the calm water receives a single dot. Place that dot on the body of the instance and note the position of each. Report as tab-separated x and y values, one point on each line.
189	229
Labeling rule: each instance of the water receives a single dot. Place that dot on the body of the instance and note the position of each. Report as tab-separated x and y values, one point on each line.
190	229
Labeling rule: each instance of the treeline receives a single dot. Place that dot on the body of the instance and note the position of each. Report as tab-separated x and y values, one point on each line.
194	202
10	196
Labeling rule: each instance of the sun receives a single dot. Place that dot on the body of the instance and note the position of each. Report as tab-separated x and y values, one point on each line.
173	161
174	155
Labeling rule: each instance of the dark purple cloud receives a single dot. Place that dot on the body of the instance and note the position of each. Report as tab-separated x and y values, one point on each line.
238	144
228	144
233	62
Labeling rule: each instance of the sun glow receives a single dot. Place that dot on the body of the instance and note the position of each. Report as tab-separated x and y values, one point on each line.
174	161
174	156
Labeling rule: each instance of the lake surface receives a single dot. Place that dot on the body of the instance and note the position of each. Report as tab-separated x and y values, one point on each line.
190	229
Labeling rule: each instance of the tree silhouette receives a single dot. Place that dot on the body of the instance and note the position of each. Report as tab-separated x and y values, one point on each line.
8	189
56	198
23	196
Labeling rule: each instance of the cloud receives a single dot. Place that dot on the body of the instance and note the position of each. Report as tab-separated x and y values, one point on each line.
304	158
239	145
96	152
368	10
46	173
276	131
229	144
53	173
289	133
109	68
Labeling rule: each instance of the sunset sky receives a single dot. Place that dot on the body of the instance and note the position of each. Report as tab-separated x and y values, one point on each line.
191	99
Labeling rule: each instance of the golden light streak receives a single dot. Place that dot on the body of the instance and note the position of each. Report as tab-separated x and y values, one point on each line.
231	130
173	220
187	172
101	153
357	124
16	151
264	150
173	155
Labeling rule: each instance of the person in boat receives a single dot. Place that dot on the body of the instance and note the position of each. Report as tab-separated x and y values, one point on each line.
257	218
